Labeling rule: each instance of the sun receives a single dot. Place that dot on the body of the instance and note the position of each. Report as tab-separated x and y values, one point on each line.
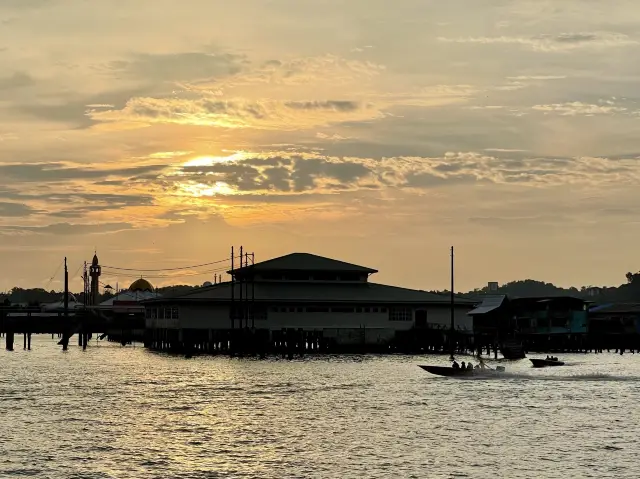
194	185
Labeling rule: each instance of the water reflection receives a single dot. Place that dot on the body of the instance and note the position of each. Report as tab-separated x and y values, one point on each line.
129	413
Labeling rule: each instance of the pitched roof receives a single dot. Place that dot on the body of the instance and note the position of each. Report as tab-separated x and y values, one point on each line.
616	308
490	303
128	295
305	262
318	293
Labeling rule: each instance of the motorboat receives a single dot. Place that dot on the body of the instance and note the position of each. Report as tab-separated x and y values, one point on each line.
543	363
449	371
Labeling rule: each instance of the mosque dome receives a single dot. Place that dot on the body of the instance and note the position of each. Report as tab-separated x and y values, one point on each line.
141	285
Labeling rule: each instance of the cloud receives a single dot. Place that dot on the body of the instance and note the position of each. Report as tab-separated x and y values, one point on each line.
59	171
284	173
562	42
15	209
537	77
71	108
66	229
297	72
334	137
17	80
579	108
177	67
239	113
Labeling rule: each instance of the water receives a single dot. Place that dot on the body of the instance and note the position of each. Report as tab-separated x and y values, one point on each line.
115	412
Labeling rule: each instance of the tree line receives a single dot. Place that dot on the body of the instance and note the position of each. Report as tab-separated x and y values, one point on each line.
626	292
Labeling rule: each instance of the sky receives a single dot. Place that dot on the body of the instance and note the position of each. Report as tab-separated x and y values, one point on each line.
160	133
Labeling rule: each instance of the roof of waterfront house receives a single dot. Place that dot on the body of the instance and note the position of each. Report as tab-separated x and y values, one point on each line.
308	292
305	262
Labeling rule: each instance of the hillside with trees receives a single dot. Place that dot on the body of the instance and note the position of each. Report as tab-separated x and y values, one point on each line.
626	292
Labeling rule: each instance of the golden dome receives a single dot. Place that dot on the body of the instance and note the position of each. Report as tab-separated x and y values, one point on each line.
141	285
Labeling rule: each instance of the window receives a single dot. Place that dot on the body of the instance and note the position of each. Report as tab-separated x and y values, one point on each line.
383	310
295	276
340	309
174	313
350	277
358	310
366	310
324	276
272	276
400	314
317	309
374	310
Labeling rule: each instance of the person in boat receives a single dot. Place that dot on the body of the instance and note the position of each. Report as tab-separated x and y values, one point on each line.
477	366
469	365
463	365
455	365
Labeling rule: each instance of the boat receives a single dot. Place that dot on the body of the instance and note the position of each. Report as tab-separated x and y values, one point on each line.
543	363
449	371
459	372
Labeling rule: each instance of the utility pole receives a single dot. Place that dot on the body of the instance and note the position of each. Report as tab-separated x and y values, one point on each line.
233	287
65	339
253	291
241	283
246	291
452	309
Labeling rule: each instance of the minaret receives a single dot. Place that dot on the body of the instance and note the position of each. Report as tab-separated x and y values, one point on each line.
94	272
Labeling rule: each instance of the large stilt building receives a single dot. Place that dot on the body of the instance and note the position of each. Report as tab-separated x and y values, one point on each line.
302	291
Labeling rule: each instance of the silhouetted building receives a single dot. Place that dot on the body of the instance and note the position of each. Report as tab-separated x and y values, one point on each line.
540	315
129	301
94	273
615	318
314	293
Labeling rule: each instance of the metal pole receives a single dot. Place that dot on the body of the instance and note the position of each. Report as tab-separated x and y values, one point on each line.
452	308
253	291
233	287
66	288
246	291
240	294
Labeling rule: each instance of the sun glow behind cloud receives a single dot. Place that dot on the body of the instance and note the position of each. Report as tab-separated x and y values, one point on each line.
212	160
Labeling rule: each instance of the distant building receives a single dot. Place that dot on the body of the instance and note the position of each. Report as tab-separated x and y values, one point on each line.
593	291
501	315
129	301
313	293
73	303
615	318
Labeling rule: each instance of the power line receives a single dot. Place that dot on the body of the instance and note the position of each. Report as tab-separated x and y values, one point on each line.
167	269
119	274
54	275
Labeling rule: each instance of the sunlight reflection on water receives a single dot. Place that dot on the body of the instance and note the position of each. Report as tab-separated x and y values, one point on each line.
115	412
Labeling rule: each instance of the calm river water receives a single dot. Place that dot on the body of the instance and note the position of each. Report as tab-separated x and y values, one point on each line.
115	412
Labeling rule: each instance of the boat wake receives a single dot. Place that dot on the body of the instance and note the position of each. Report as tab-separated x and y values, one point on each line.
574	377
